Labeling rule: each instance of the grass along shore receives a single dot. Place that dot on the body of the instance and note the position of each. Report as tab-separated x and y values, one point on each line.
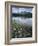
21	30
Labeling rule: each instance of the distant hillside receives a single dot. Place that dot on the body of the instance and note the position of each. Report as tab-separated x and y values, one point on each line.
25	14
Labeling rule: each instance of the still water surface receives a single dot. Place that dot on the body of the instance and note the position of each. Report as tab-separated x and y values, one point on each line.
22	20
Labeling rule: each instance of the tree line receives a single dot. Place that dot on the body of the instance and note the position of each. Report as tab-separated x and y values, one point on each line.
28	15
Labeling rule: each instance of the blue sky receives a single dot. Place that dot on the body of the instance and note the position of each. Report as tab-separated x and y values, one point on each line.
19	10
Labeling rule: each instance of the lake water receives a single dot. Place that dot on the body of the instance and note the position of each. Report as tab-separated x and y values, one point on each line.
22	20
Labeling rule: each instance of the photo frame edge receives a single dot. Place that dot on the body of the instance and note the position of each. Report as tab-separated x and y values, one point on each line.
6	34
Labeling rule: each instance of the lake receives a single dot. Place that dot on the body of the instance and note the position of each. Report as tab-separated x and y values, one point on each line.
22	20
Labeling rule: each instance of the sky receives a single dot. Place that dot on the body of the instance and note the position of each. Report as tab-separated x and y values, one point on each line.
19	10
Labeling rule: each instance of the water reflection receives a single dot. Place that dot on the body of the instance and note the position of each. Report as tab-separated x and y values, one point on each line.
22	20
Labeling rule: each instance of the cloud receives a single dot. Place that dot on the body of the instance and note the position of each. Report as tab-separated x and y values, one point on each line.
19	10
